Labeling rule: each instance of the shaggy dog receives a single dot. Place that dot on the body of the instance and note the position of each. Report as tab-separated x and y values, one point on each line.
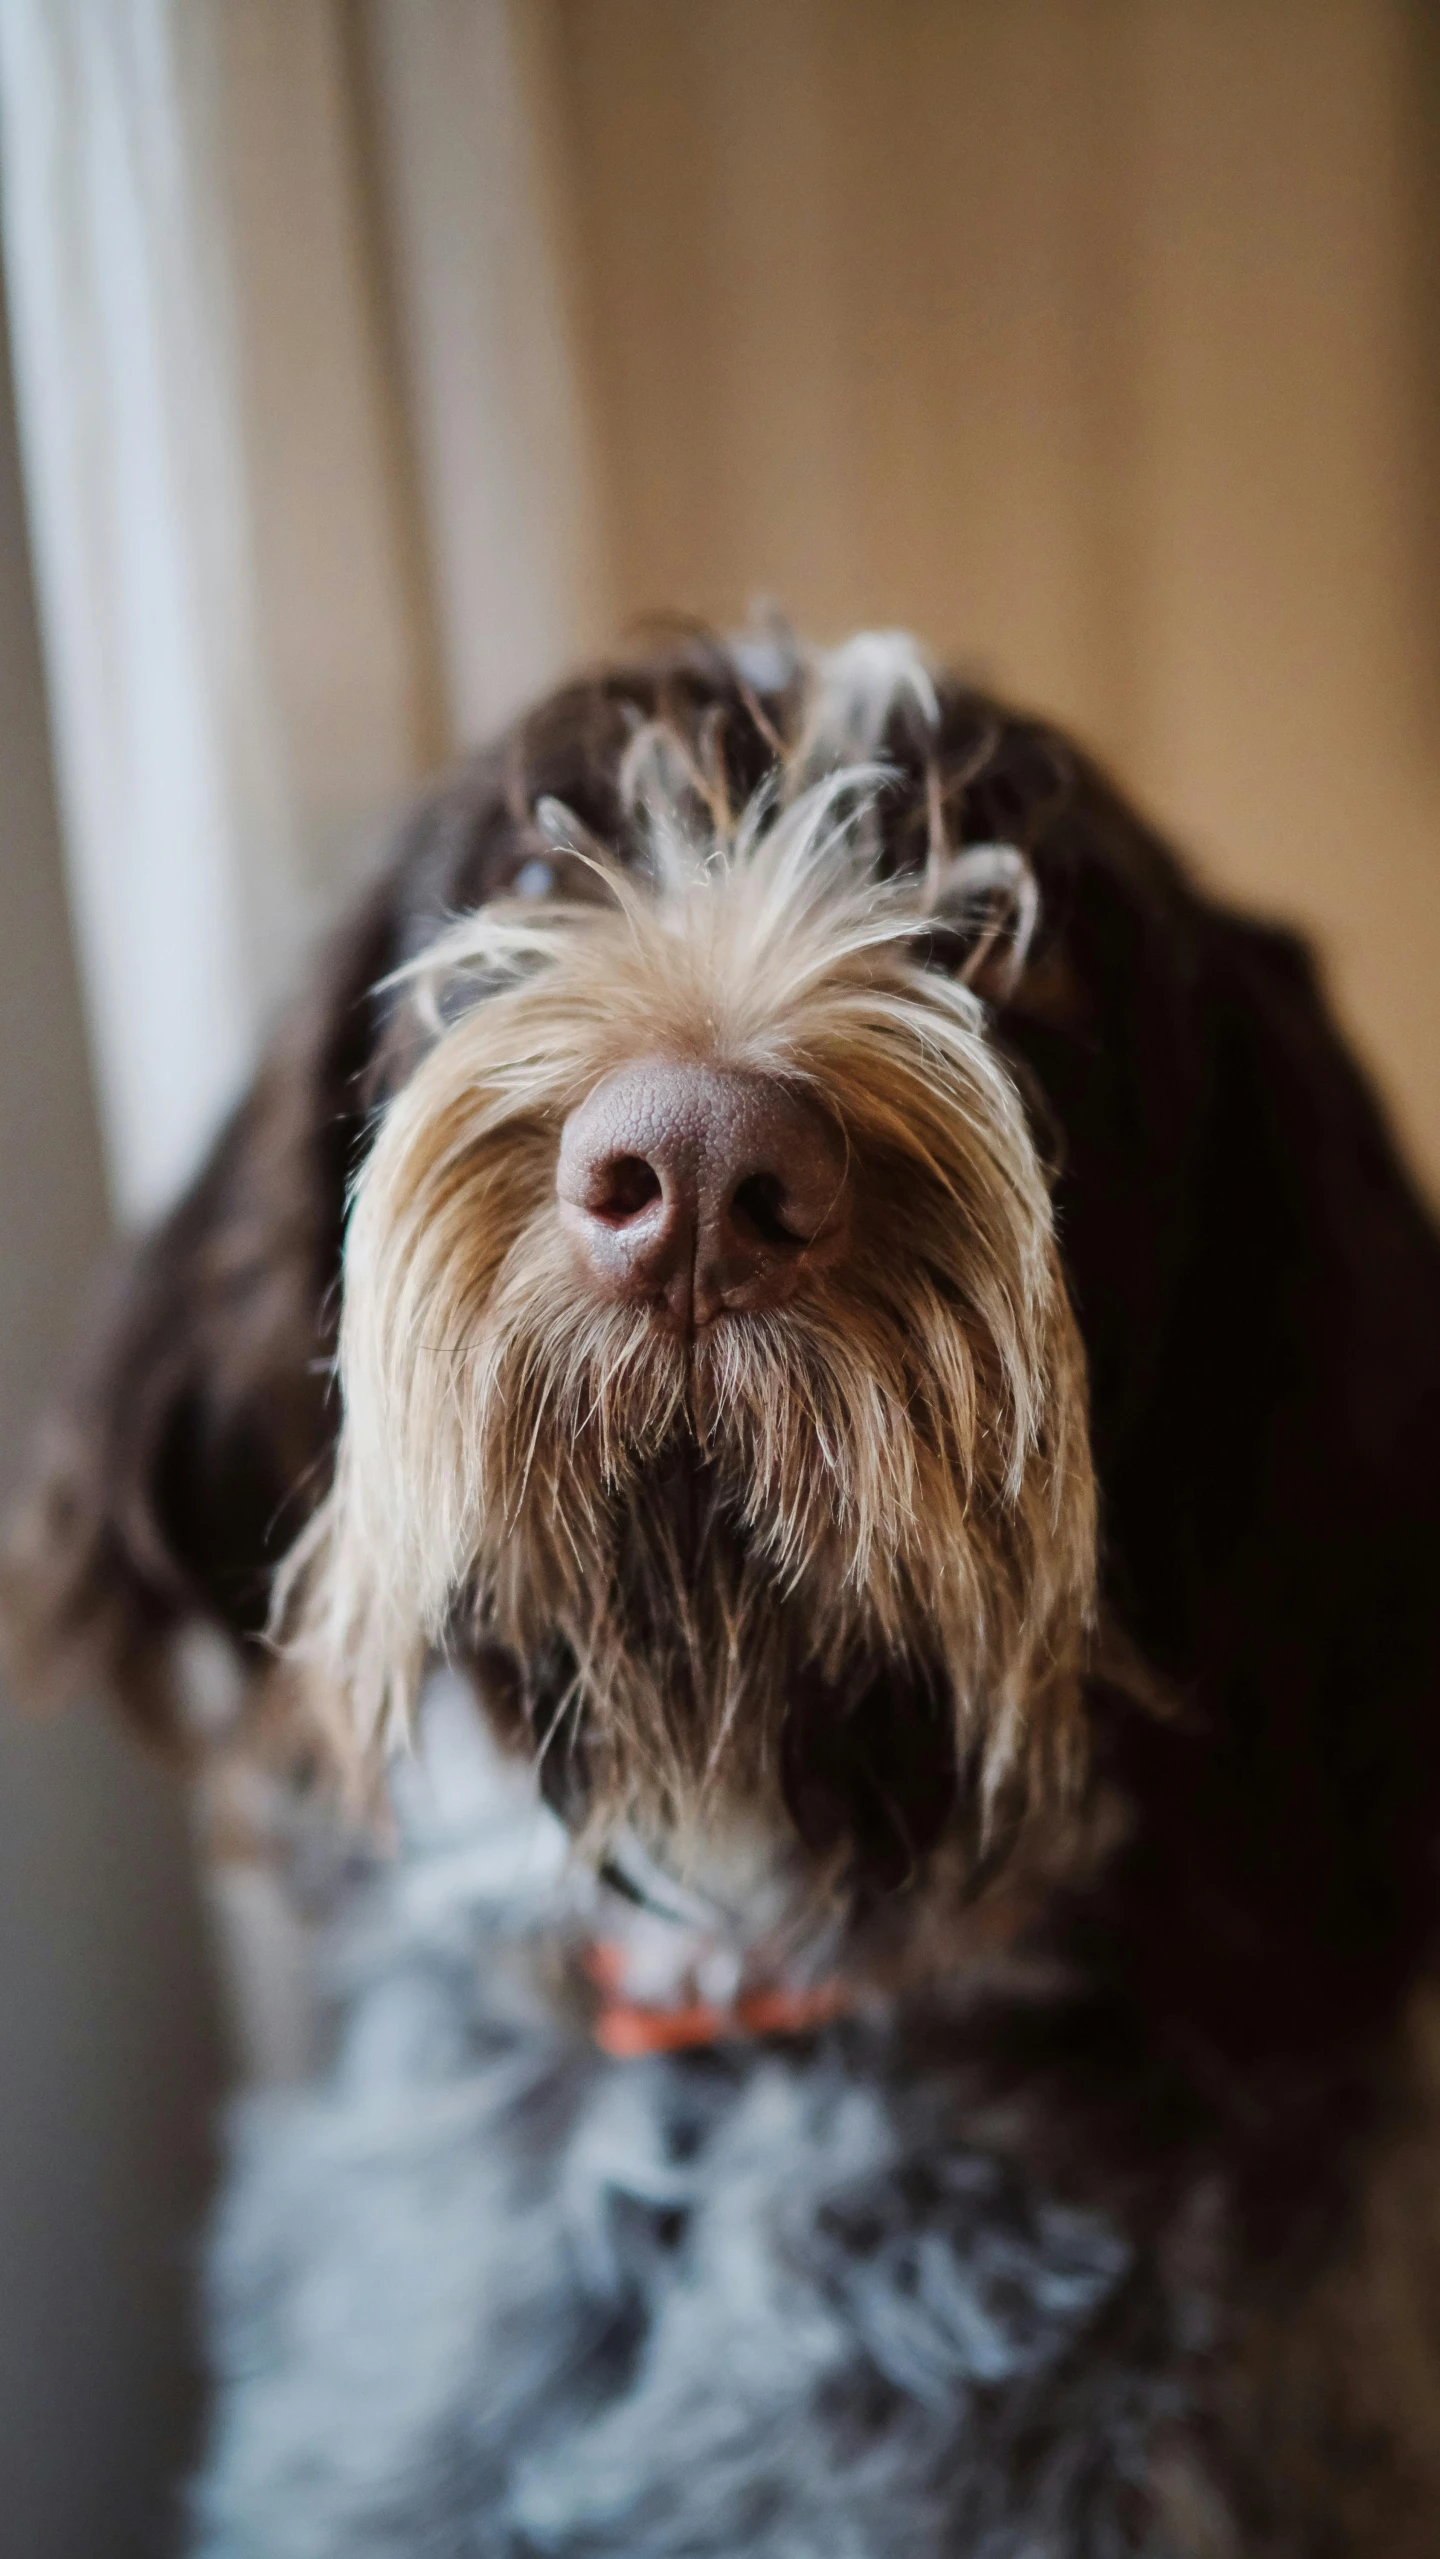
875	2032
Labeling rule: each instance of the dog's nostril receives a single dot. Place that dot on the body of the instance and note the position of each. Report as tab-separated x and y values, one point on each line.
759	1204
696	1190
628	1184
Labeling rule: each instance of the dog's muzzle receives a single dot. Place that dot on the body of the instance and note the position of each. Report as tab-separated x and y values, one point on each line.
699	1190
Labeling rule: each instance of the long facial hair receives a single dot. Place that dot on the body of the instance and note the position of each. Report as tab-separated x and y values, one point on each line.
889	1476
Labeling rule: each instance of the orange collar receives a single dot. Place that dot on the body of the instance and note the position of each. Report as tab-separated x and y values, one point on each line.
626	2029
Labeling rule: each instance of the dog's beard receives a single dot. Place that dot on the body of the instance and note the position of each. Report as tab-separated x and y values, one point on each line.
705	1554
716	1529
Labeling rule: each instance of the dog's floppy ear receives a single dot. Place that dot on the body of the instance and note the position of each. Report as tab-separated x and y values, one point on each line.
200	1430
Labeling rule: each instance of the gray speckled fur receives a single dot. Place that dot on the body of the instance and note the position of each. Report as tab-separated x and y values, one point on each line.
484	2291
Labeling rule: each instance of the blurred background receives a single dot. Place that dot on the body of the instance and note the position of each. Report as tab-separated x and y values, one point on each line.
374	360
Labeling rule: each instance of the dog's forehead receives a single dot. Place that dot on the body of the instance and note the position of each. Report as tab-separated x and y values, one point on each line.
663	765
756	803
755	712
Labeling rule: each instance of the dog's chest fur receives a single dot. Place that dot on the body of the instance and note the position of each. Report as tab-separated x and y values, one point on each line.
489	2291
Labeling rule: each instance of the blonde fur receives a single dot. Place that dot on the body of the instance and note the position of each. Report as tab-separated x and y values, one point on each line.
893	1469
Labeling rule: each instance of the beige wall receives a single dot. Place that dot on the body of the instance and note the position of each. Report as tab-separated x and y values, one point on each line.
1092	338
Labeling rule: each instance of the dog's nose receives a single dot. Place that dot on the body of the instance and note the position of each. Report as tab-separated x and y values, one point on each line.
696	1189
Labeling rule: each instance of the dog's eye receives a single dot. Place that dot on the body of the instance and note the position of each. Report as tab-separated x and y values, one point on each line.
982	920
534	879
560	875
572	864
941	943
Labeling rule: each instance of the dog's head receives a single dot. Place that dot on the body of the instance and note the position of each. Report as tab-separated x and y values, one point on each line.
704	1348
831	1545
